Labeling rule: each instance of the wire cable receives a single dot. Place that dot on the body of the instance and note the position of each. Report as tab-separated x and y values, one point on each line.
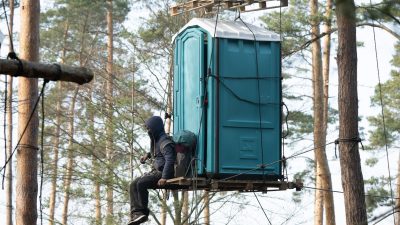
5	90
383	118
285	135
194	171
25	129
8	26
272	163
259	96
342	192
262	208
204	103
236	95
5	129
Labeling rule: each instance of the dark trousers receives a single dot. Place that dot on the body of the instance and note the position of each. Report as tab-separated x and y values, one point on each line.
139	195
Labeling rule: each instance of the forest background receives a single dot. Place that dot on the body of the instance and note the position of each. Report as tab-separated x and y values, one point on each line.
93	133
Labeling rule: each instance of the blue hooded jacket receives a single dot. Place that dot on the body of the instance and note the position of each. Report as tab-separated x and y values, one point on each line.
164	159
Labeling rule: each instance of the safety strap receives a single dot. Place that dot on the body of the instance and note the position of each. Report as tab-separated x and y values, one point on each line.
165	142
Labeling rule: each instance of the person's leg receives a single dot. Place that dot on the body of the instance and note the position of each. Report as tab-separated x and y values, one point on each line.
148	181
139	196
133	194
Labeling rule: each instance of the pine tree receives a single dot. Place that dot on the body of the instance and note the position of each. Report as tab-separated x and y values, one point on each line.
85	44
27	159
9	147
294	24
352	178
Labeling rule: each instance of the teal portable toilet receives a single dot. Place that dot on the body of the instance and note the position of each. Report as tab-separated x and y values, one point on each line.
227	90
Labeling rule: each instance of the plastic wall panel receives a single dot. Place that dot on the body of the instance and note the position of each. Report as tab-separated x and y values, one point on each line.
242	97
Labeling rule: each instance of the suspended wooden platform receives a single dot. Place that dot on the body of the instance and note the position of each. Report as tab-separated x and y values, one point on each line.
211	5
232	185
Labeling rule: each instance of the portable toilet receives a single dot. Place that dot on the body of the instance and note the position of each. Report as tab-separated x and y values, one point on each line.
227	90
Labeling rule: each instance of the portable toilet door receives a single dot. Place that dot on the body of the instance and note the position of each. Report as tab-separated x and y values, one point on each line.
189	74
227	90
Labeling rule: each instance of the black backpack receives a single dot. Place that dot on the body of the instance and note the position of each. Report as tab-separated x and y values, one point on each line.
185	146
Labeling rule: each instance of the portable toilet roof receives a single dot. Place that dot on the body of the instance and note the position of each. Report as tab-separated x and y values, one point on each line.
231	30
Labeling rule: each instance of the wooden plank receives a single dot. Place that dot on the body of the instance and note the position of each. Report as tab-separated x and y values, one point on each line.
174	11
210	5
187	181
234	185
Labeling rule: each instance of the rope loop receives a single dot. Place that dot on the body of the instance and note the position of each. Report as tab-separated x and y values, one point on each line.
13	56
284	162
19	146
59	71
167	115
354	139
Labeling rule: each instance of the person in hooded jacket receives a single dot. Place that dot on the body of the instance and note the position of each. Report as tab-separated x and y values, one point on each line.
163	169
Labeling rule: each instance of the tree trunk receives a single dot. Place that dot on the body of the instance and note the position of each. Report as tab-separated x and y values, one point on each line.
319	197
97	195
352	178
79	75
326	53
27	155
109	119
206	208
397	209
168	131
53	192
56	144
70	158
178	208
132	141
95	156
169	98
164	206
185	208
318	106
9	147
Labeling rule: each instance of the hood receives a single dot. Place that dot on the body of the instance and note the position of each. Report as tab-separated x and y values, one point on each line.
155	127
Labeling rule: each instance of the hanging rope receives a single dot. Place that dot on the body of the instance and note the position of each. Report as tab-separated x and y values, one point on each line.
42	155
284	136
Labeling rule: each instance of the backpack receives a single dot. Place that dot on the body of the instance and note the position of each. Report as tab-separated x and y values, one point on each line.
184	142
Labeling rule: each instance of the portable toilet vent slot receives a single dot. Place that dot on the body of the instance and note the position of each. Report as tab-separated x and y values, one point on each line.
227	90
